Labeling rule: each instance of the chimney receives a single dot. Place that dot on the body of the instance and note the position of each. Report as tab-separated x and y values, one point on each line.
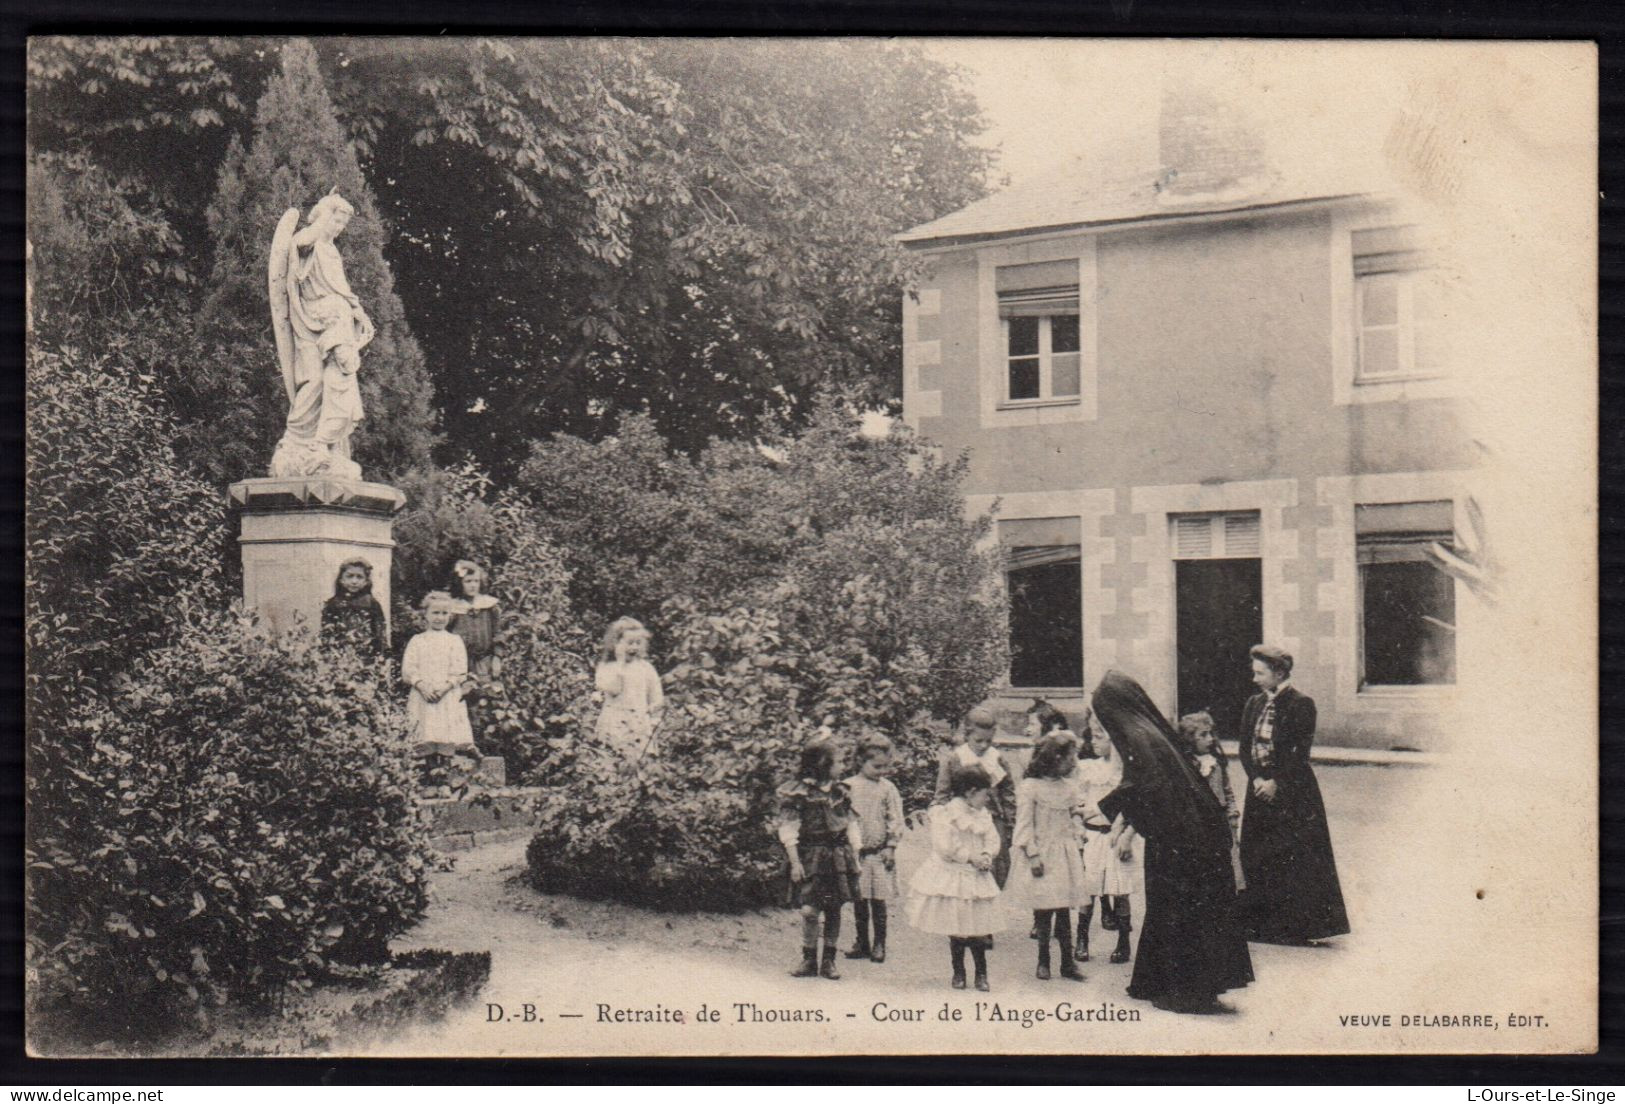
1209	151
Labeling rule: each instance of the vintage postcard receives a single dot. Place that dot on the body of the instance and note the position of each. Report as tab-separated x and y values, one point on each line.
622	547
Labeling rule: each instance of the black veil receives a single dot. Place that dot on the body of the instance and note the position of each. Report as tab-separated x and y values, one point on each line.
1191	944
1161	793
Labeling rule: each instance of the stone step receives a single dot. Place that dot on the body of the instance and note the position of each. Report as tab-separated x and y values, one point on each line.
482	810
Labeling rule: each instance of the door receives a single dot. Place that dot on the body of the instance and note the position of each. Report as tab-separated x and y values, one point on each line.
1220	614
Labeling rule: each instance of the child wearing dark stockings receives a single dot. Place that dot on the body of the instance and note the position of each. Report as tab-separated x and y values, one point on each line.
1052	881
1108	853
821	839
879	811
954	892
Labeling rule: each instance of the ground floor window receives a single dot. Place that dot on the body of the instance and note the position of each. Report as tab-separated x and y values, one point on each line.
1044	581
1407	605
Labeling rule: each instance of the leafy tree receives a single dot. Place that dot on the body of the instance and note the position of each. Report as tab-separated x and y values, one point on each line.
791	526
153	113
698	230
96	249
119	130
299	153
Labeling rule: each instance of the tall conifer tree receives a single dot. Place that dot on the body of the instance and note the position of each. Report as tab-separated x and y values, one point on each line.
298	154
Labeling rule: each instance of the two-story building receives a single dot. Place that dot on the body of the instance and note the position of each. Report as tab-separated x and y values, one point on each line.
1213	409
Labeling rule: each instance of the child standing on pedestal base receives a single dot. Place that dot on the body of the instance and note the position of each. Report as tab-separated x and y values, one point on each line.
435	665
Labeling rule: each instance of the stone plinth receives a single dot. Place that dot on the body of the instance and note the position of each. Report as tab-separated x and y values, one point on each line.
296	532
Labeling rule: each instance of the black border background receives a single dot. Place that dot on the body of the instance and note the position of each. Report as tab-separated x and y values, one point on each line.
1484	19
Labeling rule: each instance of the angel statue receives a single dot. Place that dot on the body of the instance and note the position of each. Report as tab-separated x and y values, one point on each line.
320	331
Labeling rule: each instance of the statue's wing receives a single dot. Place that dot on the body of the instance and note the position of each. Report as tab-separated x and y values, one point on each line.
277	286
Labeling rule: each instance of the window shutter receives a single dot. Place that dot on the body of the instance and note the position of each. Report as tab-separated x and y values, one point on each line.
1038	532
1020	557
1400	532
1193	537
1028	290
1039	301
1241	535
1049	274
1217	536
1405	548
1390	249
1405	517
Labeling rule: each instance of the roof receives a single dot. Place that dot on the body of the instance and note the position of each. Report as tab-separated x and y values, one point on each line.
1073	196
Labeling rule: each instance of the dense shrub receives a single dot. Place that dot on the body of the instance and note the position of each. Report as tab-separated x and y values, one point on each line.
822	509
688	826
240	813
831	578
542	695
691	825
120	536
542	692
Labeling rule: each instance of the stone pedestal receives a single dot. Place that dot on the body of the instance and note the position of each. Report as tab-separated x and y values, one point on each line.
296	532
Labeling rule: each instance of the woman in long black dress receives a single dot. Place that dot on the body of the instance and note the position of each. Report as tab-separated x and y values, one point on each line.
1191	944
1292	893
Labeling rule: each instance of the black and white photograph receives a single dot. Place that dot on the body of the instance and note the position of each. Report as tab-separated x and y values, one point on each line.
614	546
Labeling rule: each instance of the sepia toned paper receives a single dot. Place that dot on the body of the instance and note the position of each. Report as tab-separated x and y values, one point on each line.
1470	866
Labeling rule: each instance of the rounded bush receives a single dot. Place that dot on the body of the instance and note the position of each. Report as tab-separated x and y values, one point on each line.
691	825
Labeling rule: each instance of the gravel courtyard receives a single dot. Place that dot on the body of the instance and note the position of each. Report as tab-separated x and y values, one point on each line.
574	976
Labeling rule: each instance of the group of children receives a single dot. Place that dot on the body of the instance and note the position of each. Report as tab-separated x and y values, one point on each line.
452	659
841	838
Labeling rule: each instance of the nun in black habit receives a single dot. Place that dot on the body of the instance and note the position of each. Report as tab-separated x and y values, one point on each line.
1192	947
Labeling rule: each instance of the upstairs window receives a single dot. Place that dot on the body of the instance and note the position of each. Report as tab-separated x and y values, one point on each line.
1408	606
1038	310
1399	304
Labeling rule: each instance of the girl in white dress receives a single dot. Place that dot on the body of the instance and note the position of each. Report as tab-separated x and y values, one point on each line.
1109	855
435	666
633	699
953	892
1051	881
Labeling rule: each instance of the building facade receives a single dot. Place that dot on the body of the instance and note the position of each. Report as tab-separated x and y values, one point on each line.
1208	412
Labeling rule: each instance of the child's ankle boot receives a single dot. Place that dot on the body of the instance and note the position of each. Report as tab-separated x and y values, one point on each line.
1043	961
1124	926
1069	964
809	963
828	970
956	947
979	953
860	942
